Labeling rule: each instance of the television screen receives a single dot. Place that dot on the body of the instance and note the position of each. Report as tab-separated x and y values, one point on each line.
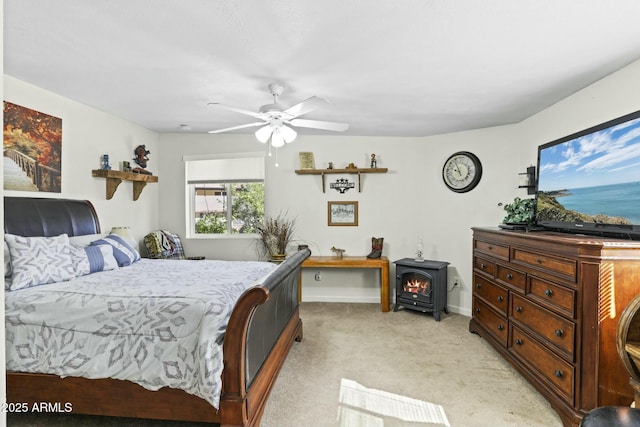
589	182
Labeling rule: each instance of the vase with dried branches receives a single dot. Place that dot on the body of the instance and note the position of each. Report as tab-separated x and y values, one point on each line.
275	234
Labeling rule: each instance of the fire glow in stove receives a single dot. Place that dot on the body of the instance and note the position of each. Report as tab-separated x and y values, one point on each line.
422	286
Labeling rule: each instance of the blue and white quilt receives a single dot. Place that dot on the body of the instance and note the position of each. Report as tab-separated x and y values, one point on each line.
156	322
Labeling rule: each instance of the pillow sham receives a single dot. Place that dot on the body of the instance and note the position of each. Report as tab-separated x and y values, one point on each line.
92	259
124	253
39	260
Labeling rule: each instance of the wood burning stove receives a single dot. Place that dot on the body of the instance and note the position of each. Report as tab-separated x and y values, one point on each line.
422	286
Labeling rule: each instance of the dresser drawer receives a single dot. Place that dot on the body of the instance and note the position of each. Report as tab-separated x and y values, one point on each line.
492	294
495	324
498	251
511	277
485	266
555	297
553	369
556	330
562	267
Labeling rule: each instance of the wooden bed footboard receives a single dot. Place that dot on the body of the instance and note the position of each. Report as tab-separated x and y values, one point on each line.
262	328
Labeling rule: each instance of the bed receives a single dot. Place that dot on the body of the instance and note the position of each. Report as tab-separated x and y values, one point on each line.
261	328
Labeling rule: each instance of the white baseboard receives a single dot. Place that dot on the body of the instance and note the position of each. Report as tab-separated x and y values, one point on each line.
360	299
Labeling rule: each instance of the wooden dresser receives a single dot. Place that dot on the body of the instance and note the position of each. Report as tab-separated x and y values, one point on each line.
550	303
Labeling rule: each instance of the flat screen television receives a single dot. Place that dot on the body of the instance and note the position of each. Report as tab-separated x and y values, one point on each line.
589	182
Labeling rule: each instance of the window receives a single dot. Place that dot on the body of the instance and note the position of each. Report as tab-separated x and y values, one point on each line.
225	194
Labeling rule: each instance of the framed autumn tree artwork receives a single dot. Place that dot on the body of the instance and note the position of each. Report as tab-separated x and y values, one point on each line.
32	150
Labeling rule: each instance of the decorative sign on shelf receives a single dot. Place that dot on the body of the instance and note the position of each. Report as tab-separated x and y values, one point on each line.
306	160
342	185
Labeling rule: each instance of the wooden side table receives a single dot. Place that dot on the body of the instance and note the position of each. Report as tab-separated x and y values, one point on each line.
381	264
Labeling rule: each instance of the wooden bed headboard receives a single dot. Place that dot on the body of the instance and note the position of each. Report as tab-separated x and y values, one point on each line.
32	216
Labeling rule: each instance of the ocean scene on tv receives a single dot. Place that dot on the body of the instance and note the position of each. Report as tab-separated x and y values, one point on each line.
593	178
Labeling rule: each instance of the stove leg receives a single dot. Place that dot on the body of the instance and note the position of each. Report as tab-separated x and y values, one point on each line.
436	315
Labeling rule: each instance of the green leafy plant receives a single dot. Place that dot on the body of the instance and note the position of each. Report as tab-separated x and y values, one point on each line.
520	211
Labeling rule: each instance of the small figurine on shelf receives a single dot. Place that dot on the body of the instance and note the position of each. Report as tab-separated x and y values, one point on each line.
105	162
374	162
339	252
141	160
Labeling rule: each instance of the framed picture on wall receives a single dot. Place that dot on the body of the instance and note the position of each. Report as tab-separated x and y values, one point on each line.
343	213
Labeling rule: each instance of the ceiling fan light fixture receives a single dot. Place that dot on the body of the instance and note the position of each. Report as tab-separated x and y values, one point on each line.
264	133
288	134
277	140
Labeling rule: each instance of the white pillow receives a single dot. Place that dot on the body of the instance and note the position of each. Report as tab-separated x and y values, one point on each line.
39	260
92	259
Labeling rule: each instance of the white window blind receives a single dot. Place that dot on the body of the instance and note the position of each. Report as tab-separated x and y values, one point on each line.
224	169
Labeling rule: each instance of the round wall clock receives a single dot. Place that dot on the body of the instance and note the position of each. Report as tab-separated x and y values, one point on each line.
462	171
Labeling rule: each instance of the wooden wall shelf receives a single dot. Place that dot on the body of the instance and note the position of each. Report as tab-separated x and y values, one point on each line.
353	171
114	178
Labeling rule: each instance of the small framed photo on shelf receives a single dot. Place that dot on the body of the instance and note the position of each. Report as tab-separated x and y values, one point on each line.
343	213
306	160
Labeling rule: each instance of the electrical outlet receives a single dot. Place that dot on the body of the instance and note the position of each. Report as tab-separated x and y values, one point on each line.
318	277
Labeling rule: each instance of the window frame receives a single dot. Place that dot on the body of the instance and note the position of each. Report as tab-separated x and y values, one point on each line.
190	188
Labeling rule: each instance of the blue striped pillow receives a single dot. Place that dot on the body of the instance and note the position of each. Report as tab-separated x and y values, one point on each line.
92	259
124	253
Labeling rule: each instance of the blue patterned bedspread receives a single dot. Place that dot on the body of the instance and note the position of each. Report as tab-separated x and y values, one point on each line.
157	323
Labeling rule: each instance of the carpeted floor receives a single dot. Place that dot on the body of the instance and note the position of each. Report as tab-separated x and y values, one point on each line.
355	360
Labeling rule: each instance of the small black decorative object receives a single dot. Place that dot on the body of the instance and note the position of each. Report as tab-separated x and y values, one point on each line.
342	185
141	160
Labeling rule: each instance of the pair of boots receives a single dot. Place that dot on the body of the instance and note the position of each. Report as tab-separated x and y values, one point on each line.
376	247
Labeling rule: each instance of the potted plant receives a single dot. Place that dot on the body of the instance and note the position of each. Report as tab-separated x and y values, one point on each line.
275	234
520	211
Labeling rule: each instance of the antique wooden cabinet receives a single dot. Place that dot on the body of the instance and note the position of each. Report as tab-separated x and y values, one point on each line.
550	303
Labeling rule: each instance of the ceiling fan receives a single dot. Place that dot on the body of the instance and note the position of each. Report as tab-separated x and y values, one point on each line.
278	119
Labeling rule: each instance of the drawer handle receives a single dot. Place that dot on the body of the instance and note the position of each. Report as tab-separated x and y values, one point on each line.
518	341
519	309
477	310
490	247
500	298
548	292
483	266
559	332
509	276
478	285
500	327
558	374
539	261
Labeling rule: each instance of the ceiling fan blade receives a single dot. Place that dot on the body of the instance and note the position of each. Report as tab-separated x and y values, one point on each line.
236	127
316	124
305	106
237	110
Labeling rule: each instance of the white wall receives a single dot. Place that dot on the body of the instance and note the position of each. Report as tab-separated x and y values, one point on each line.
407	202
611	97
87	134
410	200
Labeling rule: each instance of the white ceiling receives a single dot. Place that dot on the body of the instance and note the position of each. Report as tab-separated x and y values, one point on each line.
387	67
